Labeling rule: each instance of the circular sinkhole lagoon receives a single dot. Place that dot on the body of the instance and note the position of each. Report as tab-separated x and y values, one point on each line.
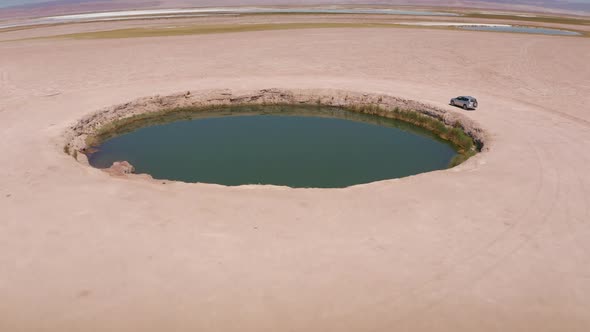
295	146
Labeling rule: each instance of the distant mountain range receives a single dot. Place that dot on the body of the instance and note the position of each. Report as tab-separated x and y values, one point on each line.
32	8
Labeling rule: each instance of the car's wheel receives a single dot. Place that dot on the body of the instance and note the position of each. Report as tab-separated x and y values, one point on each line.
452	103
465	106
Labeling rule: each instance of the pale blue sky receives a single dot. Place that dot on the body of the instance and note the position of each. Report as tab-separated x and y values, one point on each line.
10	3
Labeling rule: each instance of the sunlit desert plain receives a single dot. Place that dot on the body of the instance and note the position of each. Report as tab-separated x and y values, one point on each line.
497	243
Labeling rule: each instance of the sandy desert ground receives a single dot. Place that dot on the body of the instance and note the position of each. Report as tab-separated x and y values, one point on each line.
500	243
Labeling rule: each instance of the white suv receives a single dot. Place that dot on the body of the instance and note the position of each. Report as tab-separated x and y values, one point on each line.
466	102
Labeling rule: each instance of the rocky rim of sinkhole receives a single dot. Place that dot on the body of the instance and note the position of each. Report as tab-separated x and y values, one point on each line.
83	135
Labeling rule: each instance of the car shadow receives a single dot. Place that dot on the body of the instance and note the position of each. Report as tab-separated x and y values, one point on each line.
461	107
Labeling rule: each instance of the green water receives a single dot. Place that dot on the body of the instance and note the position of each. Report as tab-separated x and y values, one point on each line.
296	146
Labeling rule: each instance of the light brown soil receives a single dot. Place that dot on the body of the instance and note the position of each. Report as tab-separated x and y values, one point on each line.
499	243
